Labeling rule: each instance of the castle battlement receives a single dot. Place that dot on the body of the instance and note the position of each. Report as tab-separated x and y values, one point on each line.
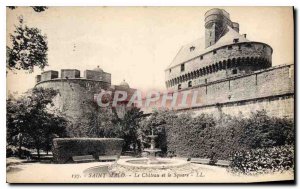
70	74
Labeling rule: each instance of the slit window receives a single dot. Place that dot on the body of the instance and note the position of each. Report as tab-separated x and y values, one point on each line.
201	57
182	67
234	71
214	52
229	47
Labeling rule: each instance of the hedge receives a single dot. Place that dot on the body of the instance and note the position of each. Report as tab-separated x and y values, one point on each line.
258	161
65	148
204	136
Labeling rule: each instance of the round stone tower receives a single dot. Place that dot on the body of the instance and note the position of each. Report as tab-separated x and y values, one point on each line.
76	94
216	21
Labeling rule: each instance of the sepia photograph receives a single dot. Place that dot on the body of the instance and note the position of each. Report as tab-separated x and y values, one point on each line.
185	94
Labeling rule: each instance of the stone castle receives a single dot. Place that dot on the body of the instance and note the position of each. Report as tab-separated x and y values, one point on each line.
76	98
231	74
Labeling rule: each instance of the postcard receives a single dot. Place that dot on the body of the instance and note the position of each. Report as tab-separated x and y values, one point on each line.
150	94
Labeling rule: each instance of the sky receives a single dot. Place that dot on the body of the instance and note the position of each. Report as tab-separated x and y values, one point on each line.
137	44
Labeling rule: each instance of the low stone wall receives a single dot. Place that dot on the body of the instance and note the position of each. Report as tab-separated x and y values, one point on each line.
65	148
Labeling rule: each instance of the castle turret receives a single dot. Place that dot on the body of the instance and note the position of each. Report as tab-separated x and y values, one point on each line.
70	73
48	75
216	21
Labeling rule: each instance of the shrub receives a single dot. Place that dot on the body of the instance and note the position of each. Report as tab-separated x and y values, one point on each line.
205	137
13	151
257	161
65	148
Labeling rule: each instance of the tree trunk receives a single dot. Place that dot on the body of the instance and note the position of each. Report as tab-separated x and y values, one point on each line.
20	147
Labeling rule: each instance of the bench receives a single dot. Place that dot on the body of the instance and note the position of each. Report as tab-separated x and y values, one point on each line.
83	158
108	158
223	163
200	161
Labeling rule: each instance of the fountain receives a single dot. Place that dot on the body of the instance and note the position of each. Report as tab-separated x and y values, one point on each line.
152	150
151	162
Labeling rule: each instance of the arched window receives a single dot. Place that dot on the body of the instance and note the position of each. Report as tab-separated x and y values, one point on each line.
190	84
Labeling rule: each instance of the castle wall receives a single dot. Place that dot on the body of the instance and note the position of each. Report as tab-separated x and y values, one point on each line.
75	99
269	89
244	57
270	82
277	106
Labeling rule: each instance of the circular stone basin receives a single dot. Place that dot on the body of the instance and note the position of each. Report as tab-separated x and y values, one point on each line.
158	163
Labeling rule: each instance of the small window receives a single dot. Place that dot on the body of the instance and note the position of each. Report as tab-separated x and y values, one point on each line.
170	70
236	40
240	47
229	47
210	34
192	48
190	84
205	80
179	86
182	67
209	43
234	71
201	57
214	52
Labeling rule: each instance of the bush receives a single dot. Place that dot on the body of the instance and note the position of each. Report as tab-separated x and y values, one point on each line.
13	151
258	161
205	137
65	148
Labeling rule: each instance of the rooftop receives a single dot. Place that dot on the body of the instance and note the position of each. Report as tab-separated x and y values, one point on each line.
185	53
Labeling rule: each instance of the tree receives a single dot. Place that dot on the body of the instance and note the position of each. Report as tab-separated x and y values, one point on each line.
35	8
130	129
103	122
29	48
29	119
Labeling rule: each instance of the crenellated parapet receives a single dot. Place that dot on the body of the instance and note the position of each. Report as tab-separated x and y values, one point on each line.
97	75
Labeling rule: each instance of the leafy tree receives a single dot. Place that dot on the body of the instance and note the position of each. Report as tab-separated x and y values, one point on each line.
35	8
29	48
39	8
30	123
103	122
130	129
